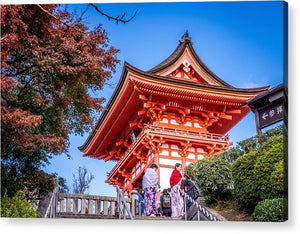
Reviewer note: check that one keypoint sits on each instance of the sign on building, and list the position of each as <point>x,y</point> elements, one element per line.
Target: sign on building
<point>269,107</point>
<point>271,114</point>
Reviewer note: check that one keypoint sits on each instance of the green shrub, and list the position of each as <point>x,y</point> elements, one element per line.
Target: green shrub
<point>271,210</point>
<point>214,177</point>
<point>245,190</point>
<point>17,206</point>
<point>191,171</point>
<point>261,174</point>
<point>269,175</point>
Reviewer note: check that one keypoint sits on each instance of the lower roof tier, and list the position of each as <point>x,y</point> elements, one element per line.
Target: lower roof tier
<point>152,138</point>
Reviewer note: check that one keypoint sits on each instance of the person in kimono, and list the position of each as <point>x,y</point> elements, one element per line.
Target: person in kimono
<point>190,189</point>
<point>176,196</point>
<point>150,187</point>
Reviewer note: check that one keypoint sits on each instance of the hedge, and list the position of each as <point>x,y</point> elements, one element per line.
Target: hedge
<point>271,210</point>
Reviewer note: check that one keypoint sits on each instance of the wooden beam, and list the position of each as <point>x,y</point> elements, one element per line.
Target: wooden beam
<point>133,124</point>
<point>102,156</point>
<point>143,97</point>
<point>224,109</point>
<point>142,112</point>
<point>187,110</point>
<point>176,72</point>
<point>204,115</point>
<point>109,157</point>
<point>234,111</point>
<point>121,142</point>
<point>223,116</point>
<point>147,105</point>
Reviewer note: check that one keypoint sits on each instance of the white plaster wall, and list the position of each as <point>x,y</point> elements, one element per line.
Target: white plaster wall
<point>170,162</point>
<point>165,174</point>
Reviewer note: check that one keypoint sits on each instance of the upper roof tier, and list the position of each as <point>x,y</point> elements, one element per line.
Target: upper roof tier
<point>182,76</point>
<point>185,63</point>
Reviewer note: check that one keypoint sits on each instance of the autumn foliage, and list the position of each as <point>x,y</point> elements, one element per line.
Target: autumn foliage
<point>50,64</point>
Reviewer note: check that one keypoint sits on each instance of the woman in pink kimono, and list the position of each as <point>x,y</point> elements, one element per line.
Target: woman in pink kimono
<point>176,197</point>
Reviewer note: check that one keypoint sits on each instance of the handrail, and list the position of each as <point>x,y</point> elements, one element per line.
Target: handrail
<point>122,212</point>
<point>199,207</point>
<point>52,205</point>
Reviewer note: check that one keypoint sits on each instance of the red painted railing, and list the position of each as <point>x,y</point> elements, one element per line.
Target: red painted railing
<point>185,133</point>
<point>170,132</point>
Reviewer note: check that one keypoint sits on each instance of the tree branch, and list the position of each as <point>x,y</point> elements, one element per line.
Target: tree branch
<point>2,38</point>
<point>117,19</point>
<point>47,12</point>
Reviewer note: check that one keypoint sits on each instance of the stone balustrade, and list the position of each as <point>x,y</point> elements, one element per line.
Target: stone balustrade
<point>81,204</point>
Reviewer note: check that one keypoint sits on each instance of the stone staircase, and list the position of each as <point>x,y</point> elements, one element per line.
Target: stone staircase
<point>162,218</point>
<point>81,206</point>
<point>206,214</point>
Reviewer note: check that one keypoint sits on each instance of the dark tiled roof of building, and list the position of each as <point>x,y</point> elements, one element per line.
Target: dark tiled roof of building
<point>184,42</point>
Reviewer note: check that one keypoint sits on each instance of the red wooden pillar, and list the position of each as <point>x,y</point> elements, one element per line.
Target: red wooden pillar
<point>156,161</point>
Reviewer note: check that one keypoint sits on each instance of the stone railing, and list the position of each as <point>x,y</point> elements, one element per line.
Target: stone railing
<point>72,205</point>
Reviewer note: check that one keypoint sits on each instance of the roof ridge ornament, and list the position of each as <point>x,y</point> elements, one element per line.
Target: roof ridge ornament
<point>185,37</point>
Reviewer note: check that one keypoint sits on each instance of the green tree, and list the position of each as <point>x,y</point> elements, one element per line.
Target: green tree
<point>253,143</point>
<point>51,64</point>
<point>17,206</point>
<point>245,187</point>
<point>248,144</point>
<point>214,177</point>
<point>262,173</point>
<point>191,171</point>
<point>62,185</point>
<point>269,175</point>
<point>231,154</point>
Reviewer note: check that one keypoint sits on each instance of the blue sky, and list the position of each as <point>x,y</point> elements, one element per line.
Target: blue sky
<point>242,42</point>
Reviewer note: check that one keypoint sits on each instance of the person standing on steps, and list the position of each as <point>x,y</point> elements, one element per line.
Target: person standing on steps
<point>176,196</point>
<point>165,202</point>
<point>140,194</point>
<point>190,189</point>
<point>150,187</point>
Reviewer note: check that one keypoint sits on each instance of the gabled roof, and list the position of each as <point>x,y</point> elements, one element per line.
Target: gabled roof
<point>184,43</point>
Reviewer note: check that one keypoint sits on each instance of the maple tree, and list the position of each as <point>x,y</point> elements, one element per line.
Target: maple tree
<point>50,63</point>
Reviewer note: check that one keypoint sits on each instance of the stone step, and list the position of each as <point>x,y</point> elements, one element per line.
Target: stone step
<point>157,218</point>
<point>66,215</point>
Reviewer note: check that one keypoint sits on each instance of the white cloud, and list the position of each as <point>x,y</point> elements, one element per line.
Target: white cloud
<point>254,82</point>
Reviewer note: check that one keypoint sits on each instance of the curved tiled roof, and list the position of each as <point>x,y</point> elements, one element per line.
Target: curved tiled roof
<point>153,74</point>
<point>200,86</point>
<point>184,42</point>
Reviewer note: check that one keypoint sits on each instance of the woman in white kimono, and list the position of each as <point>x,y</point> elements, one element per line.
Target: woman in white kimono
<point>150,187</point>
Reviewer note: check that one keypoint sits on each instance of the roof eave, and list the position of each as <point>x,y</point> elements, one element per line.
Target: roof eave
<point>107,108</point>
<point>195,84</point>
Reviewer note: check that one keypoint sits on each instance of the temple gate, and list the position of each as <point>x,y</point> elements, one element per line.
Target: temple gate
<point>178,111</point>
